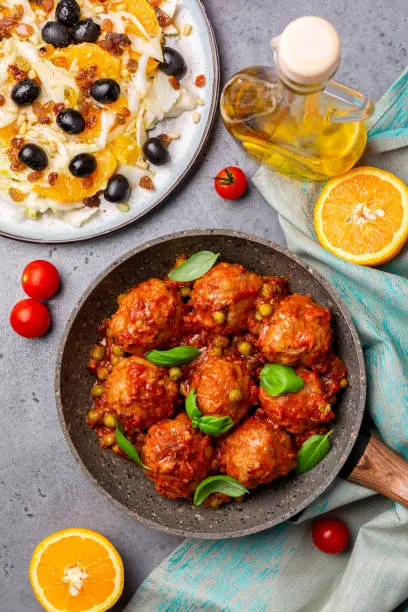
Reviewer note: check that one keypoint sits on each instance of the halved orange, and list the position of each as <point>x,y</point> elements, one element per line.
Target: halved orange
<point>69,189</point>
<point>362,216</point>
<point>76,570</point>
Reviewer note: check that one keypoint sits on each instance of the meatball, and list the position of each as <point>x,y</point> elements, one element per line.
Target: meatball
<point>224,388</point>
<point>149,316</point>
<point>256,453</point>
<point>140,392</point>
<point>223,299</point>
<point>302,410</point>
<point>179,457</point>
<point>298,333</point>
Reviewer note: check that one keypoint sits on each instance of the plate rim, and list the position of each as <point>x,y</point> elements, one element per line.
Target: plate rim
<point>327,481</point>
<point>199,151</point>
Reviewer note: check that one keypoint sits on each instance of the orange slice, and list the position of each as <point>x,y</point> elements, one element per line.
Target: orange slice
<point>145,14</point>
<point>68,188</point>
<point>76,570</point>
<point>7,133</point>
<point>86,55</point>
<point>125,149</point>
<point>362,216</point>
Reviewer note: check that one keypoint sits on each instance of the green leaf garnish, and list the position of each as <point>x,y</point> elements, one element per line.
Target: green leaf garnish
<point>193,411</point>
<point>214,426</point>
<point>127,447</point>
<point>277,379</point>
<point>180,355</point>
<point>312,452</point>
<point>218,484</point>
<point>195,267</point>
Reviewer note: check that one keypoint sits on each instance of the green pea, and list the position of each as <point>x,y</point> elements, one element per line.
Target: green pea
<point>97,390</point>
<point>235,395</point>
<point>116,350</point>
<point>175,373</point>
<point>102,373</point>
<point>98,352</point>
<point>219,317</point>
<point>266,310</point>
<point>109,420</point>
<point>93,417</point>
<point>244,348</point>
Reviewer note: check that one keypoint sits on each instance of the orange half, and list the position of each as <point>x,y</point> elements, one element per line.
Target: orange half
<point>145,14</point>
<point>76,570</point>
<point>362,216</point>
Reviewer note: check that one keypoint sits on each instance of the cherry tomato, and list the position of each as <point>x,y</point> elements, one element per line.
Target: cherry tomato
<point>30,318</point>
<point>40,279</point>
<point>331,535</point>
<point>230,183</point>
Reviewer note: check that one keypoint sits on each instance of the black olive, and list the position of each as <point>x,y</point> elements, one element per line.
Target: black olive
<point>155,151</point>
<point>117,189</point>
<point>105,90</point>
<point>56,34</point>
<point>173,63</point>
<point>82,165</point>
<point>86,30</point>
<point>25,92</point>
<point>33,156</point>
<point>71,121</point>
<point>67,12</point>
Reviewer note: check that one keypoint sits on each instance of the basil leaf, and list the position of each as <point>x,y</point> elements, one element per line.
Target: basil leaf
<point>127,447</point>
<point>277,379</point>
<point>180,355</point>
<point>193,411</point>
<point>218,484</point>
<point>214,426</point>
<point>312,452</point>
<point>195,267</point>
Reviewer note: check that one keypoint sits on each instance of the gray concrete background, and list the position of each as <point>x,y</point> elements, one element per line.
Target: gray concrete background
<point>42,488</point>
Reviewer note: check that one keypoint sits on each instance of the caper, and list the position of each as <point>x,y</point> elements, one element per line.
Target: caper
<point>93,417</point>
<point>109,420</point>
<point>175,373</point>
<point>235,395</point>
<point>266,310</point>
<point>119,352</point>
<point>258,316</point>
<point>219,317</point>
<point>108,440</point>
<point>97,390</point>
<point>102,373</point>
<point>185,291</point>
<point>115,360</point>
<point>98,352</point>
<point>222,341</point>
<point>244,348</point>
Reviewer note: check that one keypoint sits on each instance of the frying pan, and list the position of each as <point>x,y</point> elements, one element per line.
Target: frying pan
<point>370,463</point>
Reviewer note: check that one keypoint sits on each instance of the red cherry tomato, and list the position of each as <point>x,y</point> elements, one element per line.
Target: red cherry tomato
<point>230,183</point>
<point>40,279</point>
<point>331,535</point>
<point>30,318</point>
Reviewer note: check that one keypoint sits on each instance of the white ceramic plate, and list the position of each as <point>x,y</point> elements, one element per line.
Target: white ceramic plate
<point>200,52</point>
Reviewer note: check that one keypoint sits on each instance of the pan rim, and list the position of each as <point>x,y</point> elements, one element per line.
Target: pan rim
<point>328,480</point>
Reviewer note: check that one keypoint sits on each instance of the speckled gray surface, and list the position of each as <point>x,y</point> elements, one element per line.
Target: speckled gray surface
<point>42,488</point>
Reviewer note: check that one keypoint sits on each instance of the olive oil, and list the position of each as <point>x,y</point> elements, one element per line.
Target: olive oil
<point>301,129</point>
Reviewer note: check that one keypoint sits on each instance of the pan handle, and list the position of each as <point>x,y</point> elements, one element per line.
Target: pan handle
<point>373,465</point>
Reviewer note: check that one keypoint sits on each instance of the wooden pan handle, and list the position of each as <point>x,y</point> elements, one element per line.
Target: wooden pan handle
<point>381,469</point>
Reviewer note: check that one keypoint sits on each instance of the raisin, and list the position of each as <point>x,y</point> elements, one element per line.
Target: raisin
<point>200,81</point>
<point>52,178</point>
<point>146,183</point>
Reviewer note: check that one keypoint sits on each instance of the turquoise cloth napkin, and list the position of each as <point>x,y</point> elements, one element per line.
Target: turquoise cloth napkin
<point>280,570</point>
